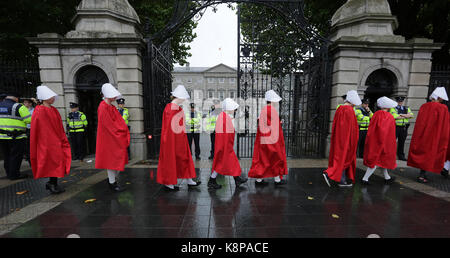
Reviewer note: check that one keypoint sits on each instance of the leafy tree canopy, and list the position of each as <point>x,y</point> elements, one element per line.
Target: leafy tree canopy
<point>27,18</point>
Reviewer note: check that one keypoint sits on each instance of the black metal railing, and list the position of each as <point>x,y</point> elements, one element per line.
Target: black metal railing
<point>19,75</point>
<point>157,85</point>
<point>440,77</point>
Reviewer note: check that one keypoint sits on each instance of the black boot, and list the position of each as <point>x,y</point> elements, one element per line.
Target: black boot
<point>239,181</point>
<point>54,188</point>
<point>212,183</point>
<point>116,187</point>
<point>444,173</point>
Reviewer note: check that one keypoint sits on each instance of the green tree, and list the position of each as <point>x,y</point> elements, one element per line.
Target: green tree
<point>417,18</point>
<point>27,18</point>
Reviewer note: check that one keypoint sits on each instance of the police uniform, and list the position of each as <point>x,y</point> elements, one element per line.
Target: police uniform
<point>193,124</point>
<point>211,128</point>
<point>363,117</point>
<point>76,126</point>
<point>402,126</point>
<point>14,118</point>
<point>126,116</point>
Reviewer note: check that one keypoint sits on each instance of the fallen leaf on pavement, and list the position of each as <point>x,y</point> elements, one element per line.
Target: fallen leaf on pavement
<point>90,200</point>
<point>335,216</point>
<point>128,183</point>
<point>310,198</point>
<point>20,193</point>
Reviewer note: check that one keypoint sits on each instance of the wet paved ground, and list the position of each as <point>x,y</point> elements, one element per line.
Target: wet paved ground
<point>305,207</point>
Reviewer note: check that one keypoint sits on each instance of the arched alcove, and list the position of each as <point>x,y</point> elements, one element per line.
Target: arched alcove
<point>379,83</point>
<point>88,83</point>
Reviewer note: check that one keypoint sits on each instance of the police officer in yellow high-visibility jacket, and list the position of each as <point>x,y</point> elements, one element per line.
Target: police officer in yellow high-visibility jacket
<point>14,118</point>
<point>125,115</point>
<point>76,126</point>
<point>402,115</point>
<point>363,116</point>
<point>193,128</point>
<point>211,128</point>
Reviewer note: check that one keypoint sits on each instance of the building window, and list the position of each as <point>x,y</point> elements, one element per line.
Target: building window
<point>221,80</point>
<point>221,94</point>
<point>210,94</point>
<point>232,94</point>
<point>232,80</point>
<point>178,80</point>
<point>211,80</point>
<point>189,80</point>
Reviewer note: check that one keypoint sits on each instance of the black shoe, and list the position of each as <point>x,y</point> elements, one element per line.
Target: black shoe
<point>345,184</point>
<point>116,187</point>
<point>262,183</point>
<point>282,182</point>
<point>197,184</point>
<point>444,173</point>
<point>174,189</point>
<point>239,181</point>
<point>389,181</point>
<point>364,182</point>
<point>212,183</point>
<point>211,158</point>
<point>327,179</point>
<point>19,177</point>
<point>54,189</point>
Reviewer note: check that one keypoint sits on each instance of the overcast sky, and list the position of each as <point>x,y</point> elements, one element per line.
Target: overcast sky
<point>216,40</point>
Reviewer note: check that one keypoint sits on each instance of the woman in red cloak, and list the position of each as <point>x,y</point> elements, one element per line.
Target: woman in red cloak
<point>225,160</point>
<point>50,154</point>
<point>269,155</point>
<point>344,141</point>
<point>113,138</point>
<point>428,149</point>
<point>175,158</point>
<point>380,146</point>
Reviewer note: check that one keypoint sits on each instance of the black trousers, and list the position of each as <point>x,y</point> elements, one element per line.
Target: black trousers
<point>361,142</point>
<point>26,154</point>
<point>196,138</point>
<point>212,136</point>
<point>77,142</point>
<point>13,151</point>
<point>401,133</point>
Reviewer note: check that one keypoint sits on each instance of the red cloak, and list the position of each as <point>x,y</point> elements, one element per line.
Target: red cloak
<point>269,155</point>
<point>448,146</point>
<point>175,158</point>
<point>113,139</point>
<point>428,149</point>
<point>50,154</point>
<point>344,141</point>
<point>380,148</point>
<point>225,160</point>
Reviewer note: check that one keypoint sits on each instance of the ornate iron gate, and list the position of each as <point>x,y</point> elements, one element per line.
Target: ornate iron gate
<point>21,75</point>
<point>440,77</point>
<point>157,85</point>
<point>305,89</point>
<point>305,86</point>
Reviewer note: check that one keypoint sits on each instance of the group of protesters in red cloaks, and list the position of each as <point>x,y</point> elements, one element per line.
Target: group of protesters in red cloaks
<point>175,160</point>
<point>50,154</point>
<point>428,150</point>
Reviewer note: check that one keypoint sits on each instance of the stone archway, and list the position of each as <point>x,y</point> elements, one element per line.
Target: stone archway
<point>379,83</point>
<point>88,82</point>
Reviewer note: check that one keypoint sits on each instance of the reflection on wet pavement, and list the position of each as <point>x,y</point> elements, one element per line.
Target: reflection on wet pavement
<point>306,207</point>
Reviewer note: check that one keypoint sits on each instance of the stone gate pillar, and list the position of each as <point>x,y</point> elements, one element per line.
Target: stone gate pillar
<point>364,44</point>
<point>106,36</point>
